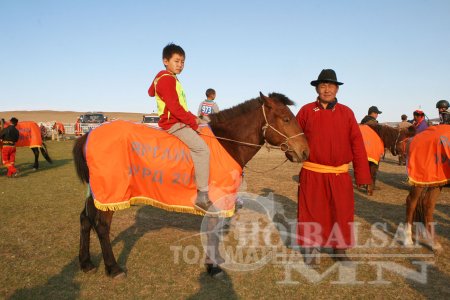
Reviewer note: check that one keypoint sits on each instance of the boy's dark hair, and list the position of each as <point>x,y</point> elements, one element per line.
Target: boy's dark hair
<point>14,121</point>
<point>210,92</point>
<point>404,117</point>
<point>172,49</point>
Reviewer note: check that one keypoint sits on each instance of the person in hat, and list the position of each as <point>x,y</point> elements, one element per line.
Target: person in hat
<point>10,136</point>
<point>372,115</point>
<point>444,114</point>
<point>419,121</point>
<point>325,194</point>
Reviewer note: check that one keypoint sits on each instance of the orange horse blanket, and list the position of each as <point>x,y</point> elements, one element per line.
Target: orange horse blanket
<point>132,163</point>
<point>373,144</point>
<point>429,157</point>
<point>29,134</point>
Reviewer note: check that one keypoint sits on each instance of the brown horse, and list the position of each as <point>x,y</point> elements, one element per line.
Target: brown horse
<point>241,130</point>
<point>391,138</point>
<point>421,200</point>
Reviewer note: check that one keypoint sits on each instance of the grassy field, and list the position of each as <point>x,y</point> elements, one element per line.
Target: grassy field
<point>39,236</point>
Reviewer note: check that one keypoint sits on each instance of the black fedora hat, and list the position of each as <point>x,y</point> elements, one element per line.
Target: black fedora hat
<point>327,75</point>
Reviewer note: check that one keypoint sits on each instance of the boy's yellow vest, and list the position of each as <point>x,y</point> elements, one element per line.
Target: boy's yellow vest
<point>181,96</point>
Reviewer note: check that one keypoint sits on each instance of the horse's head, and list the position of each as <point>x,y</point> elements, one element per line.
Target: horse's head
<point>281,127</point>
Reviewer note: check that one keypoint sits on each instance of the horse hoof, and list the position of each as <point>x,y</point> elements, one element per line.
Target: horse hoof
<point>408,242</point>
<point>88,268</point>
<point>121,275</point>
<point>433,245</point>
<point>437,247</point>
<point>116,273</point>
<point>214,271</point>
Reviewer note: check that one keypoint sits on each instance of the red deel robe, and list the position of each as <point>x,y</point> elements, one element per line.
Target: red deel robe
<point>325,200</point>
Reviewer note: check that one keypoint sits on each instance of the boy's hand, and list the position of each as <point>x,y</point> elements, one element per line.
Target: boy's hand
<point>203,120</point>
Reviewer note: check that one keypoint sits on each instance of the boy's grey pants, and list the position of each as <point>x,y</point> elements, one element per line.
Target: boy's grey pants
<point>199,153</point>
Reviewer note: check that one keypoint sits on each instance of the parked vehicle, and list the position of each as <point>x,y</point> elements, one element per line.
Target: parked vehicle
<point>89,121</point>
<point>152,119</point>
<point>93,117</point>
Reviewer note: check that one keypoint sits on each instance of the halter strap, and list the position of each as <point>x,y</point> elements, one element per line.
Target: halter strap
<point>285,143</point>
<point>268,145</point>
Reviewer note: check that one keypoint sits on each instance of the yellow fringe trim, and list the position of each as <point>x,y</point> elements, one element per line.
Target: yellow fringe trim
<point>373,160</point>
<point>155,203</point>
<point>324,168</point>
<point>428,184</point>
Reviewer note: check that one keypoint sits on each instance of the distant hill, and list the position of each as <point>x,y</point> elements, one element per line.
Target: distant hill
<point>63,116</point>
<point>71,116</point>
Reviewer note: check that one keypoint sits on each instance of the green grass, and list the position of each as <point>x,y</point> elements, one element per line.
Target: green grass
<point>39,236</point>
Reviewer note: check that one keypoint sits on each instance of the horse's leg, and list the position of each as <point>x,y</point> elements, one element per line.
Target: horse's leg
<point>102,227</point>
<point>373,173</point>
<point>432,196</point>
<point>213,257</point>
<point>36,158</point>
<point>87,218</point>
<point>411,203</point>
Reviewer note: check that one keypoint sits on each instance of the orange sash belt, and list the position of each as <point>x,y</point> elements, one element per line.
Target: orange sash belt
<point>324,168</point>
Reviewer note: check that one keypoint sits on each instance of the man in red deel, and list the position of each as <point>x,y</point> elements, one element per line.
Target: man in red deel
<point>325,194</point>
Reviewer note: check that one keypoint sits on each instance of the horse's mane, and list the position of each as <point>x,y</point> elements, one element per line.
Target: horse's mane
<point>246,107</point>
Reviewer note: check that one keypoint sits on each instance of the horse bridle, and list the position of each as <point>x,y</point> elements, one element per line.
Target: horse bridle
<point>284,146</point>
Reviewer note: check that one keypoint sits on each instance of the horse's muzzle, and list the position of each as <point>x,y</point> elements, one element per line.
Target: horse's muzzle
<point>293,156</point>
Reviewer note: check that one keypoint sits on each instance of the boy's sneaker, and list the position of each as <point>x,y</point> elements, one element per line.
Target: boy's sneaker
<point>203,203</point>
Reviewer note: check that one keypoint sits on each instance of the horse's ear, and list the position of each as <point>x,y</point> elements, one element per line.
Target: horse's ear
<point>262,98</point>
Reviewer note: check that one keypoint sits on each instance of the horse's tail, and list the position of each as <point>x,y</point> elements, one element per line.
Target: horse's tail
<point>44,152</point>
<point>80,162</point>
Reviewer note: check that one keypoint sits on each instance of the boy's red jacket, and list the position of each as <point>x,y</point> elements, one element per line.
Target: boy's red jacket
<point>166,89</point>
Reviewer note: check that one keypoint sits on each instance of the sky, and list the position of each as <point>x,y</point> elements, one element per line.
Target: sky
<point>102,55</point>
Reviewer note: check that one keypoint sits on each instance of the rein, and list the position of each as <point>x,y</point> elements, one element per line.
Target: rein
<point>284,146</point>
<point>268,145</point>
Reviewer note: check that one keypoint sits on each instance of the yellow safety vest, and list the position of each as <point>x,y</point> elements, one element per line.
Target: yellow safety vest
<point>180,92</point>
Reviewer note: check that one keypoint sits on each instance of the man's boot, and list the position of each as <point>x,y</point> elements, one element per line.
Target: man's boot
<point>202,202</point>
<point>311,257</point>
<point>341,256</point>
